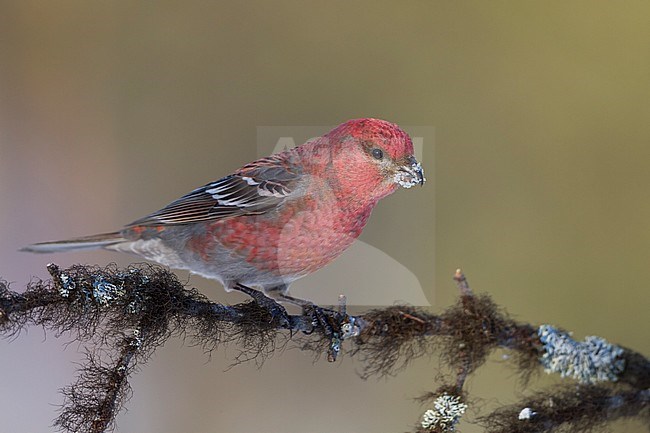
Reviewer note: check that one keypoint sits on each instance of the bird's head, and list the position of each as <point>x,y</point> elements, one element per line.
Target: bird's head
<point>373,157</point>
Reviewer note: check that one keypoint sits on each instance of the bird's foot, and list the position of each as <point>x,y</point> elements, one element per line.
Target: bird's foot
<point>278,313</point>
<point>335,325</point>
<point>329,322</point>
<point>319,317</point>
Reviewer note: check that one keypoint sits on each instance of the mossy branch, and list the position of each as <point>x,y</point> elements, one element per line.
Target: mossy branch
<point>123,315</point>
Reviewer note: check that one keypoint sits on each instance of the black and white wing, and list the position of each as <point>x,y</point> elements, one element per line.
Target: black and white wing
<point>254,189</point>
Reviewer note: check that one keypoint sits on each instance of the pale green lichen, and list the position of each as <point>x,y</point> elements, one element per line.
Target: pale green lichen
<point>446,412</point>
<point>591,361</point>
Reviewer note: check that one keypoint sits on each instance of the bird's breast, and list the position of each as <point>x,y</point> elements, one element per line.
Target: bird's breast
<point>295,240</point>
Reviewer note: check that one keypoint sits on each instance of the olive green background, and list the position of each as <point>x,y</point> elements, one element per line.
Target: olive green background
<point>538,176</point>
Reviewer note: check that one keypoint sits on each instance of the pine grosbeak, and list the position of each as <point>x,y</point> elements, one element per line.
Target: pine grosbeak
<point>276,219</point>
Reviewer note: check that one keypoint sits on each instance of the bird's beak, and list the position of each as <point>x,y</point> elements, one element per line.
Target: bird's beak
<point>409,174</point>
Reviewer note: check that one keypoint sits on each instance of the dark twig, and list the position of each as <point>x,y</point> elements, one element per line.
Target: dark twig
<point>92,403</point>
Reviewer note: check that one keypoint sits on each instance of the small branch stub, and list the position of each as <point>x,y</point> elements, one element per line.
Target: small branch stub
<point>462,284</point>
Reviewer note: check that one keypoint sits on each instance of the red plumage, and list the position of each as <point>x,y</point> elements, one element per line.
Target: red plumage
<point>278,218</point>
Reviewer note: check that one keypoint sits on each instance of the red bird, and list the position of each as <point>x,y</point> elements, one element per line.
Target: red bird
<point>276,219</point>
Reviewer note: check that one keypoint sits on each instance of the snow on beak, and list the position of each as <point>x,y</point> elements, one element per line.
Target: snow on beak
<point>410,174</point>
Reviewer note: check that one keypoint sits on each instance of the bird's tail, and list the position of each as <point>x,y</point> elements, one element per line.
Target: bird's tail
<point>93,242</point>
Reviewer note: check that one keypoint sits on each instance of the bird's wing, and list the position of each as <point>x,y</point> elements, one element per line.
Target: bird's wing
<point>254,189</point>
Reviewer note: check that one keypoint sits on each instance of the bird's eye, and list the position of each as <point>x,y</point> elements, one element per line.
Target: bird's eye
<point>377,153</point>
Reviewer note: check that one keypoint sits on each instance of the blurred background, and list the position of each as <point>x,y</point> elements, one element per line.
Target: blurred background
<point>538,176</point>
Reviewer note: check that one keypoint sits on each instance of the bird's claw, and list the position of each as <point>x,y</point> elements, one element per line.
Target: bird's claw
<point>279,315</point>
<point>322,318</point>
<point>329,322</point>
